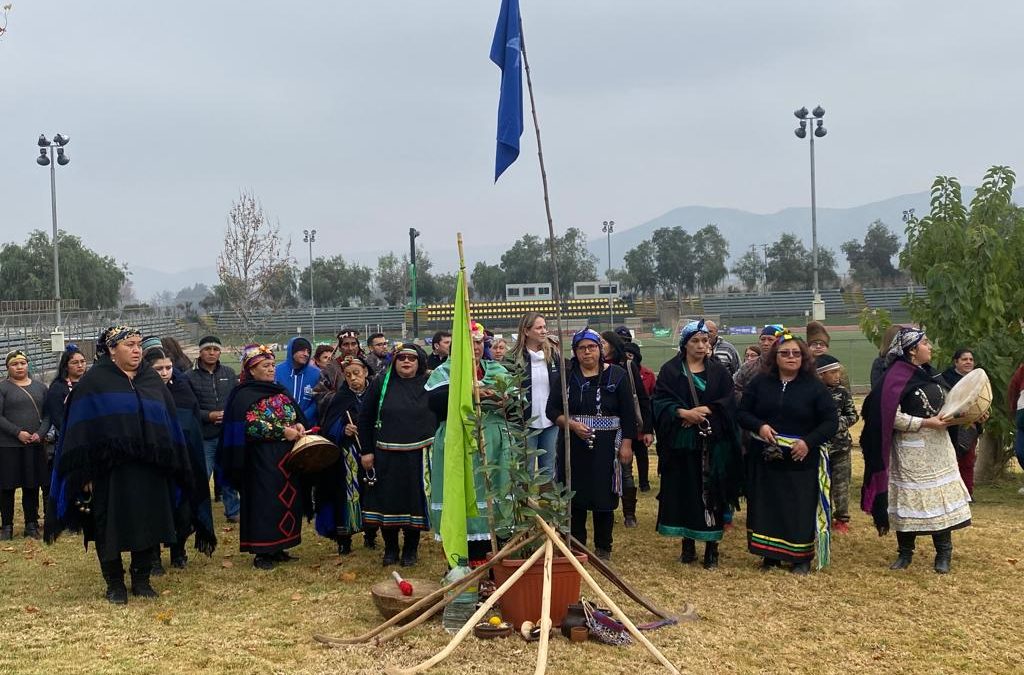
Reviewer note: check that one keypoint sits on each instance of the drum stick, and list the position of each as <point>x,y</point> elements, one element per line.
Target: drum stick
<point>358,444</point>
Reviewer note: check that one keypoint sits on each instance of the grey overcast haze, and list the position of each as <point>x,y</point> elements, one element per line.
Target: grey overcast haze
<point>361,119</point>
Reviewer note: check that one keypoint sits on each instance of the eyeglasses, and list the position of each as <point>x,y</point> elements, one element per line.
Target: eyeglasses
<point>790,353</point>
<point>406,357</point>
<point>586,348</point>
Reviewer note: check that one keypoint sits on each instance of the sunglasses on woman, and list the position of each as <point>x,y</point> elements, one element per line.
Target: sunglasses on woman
<point>406,357</point>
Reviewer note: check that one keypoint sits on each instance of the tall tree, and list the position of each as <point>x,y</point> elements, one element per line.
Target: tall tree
<point>871,261</point>
<point>710,250</point>
<point>750,269</point>
<point>488,281</point>
<point>527,261</point>
<point>969,261</point>
<point>26,271</point>
<point>336,283</point>
<point>674,258</point>
<point>255,267</point>
<point>641,268</point>
<point>393,279</point>
<point>791,265</point>
<point>575,262</point>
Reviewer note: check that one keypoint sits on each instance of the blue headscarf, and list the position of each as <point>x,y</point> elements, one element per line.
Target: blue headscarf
<point>773,329</point>
<point>585,334</point>
<point>689,330</point>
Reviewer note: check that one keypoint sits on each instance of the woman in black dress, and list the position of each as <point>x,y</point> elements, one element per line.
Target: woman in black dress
<point>121,460</point>
<point>396,430</point>
<point>261,424</point>
<point>337,490</point>
<point>789,413</point>
<point>23,426</point>
<point>699,454</point>
<point>603,423</point>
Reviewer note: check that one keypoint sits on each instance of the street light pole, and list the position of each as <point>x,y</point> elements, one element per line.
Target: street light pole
<point>309,236</point>
<point>609,226</point>
<point>818,124</point>
<point>56,148</point>
<point>413,233</point>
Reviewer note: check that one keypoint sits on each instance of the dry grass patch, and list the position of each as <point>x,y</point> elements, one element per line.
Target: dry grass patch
<point>222,616</point>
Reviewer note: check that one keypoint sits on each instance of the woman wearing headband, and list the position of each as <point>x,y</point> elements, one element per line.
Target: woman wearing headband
<point>496,443</point>
<point>602,424</point>
<point>337,492</point>
<point>121,462</point>
<point>396,430</point>
<point>23,425</point>
<point>261,424</point>
<point>911,478</point>
<point>789,414</point>
<point>699,453</point>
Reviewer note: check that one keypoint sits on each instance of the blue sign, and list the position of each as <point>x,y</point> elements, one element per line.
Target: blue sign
<point>743,330</point>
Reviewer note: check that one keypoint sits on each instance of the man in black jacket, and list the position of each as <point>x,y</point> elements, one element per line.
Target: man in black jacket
<point>212,382</point>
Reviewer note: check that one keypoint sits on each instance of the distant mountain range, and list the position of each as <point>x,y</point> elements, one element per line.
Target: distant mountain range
<point>741,229</point>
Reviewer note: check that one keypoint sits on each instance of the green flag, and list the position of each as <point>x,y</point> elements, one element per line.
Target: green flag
<point>458,496</point>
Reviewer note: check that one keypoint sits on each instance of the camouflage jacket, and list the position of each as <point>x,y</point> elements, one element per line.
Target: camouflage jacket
<point>847,418</point>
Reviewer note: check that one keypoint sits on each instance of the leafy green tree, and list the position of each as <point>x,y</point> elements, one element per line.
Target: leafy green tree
<point>392,278</point>
<point>575,262</point>
<point>26,271</point>
<point>336,283</point>
<point>527,261</point>
<point>871,262</point>
<point>791,265</point>
<point>750,269</point>
<point>710,250</point>
<point>443,288</point>
<point>673,259</point>
<point>641,268</point>
<point>969,260</point>
<point>488,281</point>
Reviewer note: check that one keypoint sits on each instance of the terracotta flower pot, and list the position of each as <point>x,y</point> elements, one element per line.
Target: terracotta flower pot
<point>522,602</point>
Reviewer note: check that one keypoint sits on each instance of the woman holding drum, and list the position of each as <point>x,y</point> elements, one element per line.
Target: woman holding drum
<point>261,424</point>
<point>911,476</point>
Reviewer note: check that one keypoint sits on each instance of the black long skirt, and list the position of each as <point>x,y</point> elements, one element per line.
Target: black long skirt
<point>782,503</point>
<point>133,509</point>
<point>681,511</point>
<point>593,471</point>
<point>271,511</point>
<point>399,497</point>
<point>23,467</point>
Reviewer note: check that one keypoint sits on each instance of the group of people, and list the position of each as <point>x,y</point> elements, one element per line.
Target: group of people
<point>139,435</point>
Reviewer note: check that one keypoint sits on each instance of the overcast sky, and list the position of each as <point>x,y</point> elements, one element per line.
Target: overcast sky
<point>364,118</point>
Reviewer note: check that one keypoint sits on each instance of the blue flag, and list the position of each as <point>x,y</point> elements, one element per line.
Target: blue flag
<point>505,52</point>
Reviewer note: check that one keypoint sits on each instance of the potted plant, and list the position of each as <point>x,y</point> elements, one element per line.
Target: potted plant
<point>530,495</point>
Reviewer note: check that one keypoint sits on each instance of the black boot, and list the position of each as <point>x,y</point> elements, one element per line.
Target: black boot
<point>32,531</point>
<point>370,538</point>
<point>390,536</point>
<point>140,583</point>
<point>711,555</point>
<point>629,507</point>
<point>689,553</point>
<point>768,564</point>
<point>113,574</point>
<point>410,548</point>
<point>178,557</point>
<point>6,532</point>
<point>801,568</point>
<point>263,562</point>
<point>344,544</point>
<point>157,570</point>
<point>943,551</point>
<point>905,544</point>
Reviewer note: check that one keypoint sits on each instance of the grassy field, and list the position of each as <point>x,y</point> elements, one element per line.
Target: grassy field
<point>222,616</point>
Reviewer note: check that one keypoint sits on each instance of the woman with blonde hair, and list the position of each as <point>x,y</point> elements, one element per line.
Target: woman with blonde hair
<point>538,357</point>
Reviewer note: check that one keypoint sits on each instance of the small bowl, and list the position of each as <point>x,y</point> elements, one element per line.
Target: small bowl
<point>486,631</point>
<point>579,634</point>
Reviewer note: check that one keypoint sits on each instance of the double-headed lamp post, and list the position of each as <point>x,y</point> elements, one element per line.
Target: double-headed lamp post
<point>54,148</point>
<point>817,129</point>
<point>609,227</point>
<point>308,237</point>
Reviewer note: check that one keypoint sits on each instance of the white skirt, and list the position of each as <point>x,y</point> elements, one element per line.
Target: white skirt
<point>926,493</point>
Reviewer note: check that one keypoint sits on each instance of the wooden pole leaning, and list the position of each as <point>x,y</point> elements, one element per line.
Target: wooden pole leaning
<point>619,614</point>
<point>435,600</point>
<point>545,611</point>
<point>467,628</point>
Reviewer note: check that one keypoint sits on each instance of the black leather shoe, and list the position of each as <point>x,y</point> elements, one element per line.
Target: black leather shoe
<point>179,562</point>
<point>140,585</point>
<point>6,532</point>
<point>158,568</point>
<point>768,564</point>
<point>711,555</point>
<point>903,561</point>
<point>689,553</point>
<point>345,546</point>
<point>117,593</point>
<point>32,531</point>
<point>942,561</point>
<point>603,554</point>
<point>262,562</point>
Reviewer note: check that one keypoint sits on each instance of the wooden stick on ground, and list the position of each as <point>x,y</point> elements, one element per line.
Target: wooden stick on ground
<point>473,620</point>
<point>545,611</point>
<point>619,614</point>
<point>437,597</point>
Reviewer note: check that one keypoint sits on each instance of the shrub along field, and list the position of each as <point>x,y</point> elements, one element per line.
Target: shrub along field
<point>222,616</point>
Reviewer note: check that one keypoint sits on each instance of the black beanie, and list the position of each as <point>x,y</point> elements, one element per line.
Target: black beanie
<point>301,343</point>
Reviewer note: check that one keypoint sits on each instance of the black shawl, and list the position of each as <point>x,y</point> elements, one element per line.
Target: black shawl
<point>405,414</point>
<point>879,414</point>
<point>231,450</point>
<point>111,420</point>
<point>724,468</point>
